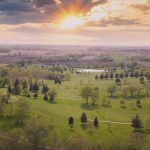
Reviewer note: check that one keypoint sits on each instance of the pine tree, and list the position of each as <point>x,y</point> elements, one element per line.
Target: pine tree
<point>96,77</point>
<point>45,89</point>
<point>16,82</point>
<point>136,123</point>
<point>83,118</point>
<point>35,95</point>
<point>118,81</point>
<point>96,123</point>
<point>71,121</point>
<point>24,85</point>
<point>9,90</point>
<point>17,90</point>
<point>141,80</point>
<point>35,87</point>
<point>31,87</point>
<point>45,97</point>
<point>101,76</point>
<point>138,103</point>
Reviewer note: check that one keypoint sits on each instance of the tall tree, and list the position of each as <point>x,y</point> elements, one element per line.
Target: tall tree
<point>86,93</point>
<point>96,122</point>
<point>71,121</point>
<point>45,89</point>
<point>111,89</point>
<point>136,123</point>
<point>83,118</point>
<point>16,82</point>
<point>52,95</point>
<point>31,87</point>
<point>17,90</point>
<point>35,87</point>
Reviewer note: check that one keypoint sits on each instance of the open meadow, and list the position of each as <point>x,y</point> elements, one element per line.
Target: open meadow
<point>114,111</point>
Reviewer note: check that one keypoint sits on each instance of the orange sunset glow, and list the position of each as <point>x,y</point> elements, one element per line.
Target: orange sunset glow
<point>92,21</point>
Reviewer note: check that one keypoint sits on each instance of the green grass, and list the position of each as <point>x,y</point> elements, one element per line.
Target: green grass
<point>69,103</point>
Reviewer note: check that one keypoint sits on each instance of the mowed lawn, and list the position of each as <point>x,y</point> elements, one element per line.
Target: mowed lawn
<point>70,103</point>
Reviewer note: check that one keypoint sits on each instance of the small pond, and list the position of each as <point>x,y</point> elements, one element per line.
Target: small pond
<point>92,70</point>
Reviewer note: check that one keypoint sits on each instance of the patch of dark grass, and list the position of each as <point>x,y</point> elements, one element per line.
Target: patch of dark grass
<point>90,107</point>
<point>84,126</point>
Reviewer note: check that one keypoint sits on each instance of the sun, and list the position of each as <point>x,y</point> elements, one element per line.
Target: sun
<point>71,22</point>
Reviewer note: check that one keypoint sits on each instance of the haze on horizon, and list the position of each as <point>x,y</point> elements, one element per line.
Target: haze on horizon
<point>75,22</point>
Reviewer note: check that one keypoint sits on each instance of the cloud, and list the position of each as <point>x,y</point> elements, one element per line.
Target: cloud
<point>145,8</point>
<point>118,21</point>
<point>8,6</point>
<point>41,3</point>
<point>30,11</point>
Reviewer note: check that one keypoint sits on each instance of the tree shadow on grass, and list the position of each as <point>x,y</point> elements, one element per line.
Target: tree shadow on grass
<point>106,106</point>
<point>7,122</point>
<point>89,107</point>
<point>123,107</point>
<point>6,118</point>
<point>50,102</point>
<point>84,126</point>
<point>139,131</point>
<point>71,130</point>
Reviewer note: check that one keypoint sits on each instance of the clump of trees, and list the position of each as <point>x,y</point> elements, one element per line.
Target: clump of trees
<point>21,113</point>
<point>111,89</point>
<point>36,132</point>
<point>89,93</point>
<point>50,96</point>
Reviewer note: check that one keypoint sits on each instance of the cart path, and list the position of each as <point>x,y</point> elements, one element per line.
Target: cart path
<point>113,122</point>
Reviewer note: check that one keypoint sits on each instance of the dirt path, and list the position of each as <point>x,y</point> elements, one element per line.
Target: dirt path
<point>74,99</point>
<point>113,122</point>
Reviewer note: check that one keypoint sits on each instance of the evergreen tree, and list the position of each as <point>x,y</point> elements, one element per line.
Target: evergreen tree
<point>35,87</point>
<point>136,123</point>
<point>131,75</point>
<point>71,121</point>
<point>16,82</point>
<point>83,118</point>
<point>35,95</point>
<point>96,123</point>
<point>101,76</point>
<point>111,75</point>
<point>96,77</point>
<point>24,85</point>
<point>17,90</point>
<point>148,77</point>
<point>141,80</point>
<point>57,81</point>
<point>31,87</point>
<point>45,89</point>
<point>136,74</point>
<point>118,81</point>
<point>121,75</point>
<point>45,97</point>
<point>9,90</point>
<point>106,76</point>
<point>126,74</point>
<point>116,75</point>
<point>138,103</point>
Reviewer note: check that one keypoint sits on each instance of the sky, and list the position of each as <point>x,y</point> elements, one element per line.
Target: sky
<point>75,22</point>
